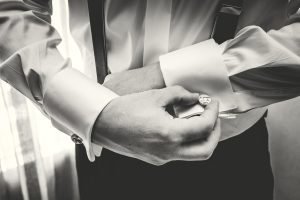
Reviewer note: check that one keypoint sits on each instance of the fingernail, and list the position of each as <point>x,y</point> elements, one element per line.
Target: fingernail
<point>204,100</point>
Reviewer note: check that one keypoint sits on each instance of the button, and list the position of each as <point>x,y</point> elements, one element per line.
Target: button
<point>76,139</point>
<point>204,100</point>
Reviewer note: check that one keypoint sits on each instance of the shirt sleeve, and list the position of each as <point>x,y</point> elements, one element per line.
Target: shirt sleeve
<point>254,69</point>
<point>31,63</point>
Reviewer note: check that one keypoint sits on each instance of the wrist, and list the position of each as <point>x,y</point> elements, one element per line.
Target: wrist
<point>155,74</point>
<point>103,124</point>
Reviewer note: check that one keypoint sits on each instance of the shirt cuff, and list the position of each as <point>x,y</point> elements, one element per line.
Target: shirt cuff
<point>200,68</point>
<point>75,101</point>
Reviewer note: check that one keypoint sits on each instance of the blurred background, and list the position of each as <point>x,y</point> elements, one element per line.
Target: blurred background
<point>37,161</point>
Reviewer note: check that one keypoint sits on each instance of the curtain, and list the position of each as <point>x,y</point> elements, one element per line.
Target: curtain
<point>37,162</point>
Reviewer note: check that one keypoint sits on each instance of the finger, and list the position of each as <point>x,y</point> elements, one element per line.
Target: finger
<point>201,149</point>
<point>197,127</point>
<point>177,95</point>
<point>211,112</point>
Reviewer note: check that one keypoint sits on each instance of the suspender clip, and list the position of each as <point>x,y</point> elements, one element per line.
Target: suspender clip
<point>230,9</point>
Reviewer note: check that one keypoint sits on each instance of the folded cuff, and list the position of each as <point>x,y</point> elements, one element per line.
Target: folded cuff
<point>75,101</point>
<point>200,68</point>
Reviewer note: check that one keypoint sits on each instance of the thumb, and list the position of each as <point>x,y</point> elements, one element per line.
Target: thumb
<point>211,112</point>
<point>178,95</point>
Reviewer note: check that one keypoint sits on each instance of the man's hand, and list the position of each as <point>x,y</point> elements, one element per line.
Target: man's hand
<point>138,126</point>
<point>136,80</point>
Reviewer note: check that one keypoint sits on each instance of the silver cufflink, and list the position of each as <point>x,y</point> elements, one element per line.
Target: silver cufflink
<point>76,139</point>
<point>204,100</point>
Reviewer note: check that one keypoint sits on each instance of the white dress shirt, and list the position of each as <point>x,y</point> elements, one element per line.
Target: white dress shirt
<point>258,67</point>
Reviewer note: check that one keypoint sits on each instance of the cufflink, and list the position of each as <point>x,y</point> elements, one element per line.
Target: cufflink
<point>76,139</point>
<point>204,100</point>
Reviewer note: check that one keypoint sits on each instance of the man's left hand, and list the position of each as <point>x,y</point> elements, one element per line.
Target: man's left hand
<point>136,80</point>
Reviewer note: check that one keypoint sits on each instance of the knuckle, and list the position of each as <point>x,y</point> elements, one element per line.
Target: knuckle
<point>166,156</point>
<point>165,133</point>
<point>158,162</point>
<point>207,155</point>
<point>209,152</point>
<point>163,158</point>
<point>170,138</point>
<point>152,160</point>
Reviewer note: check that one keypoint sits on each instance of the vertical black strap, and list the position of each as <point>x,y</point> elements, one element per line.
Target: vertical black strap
<point>97,22</point>
<point>226,21</point>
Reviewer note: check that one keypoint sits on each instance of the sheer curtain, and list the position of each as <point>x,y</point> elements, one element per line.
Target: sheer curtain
<point>37,162</point>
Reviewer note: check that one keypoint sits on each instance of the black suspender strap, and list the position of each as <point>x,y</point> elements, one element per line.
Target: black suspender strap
<point>97,23</point>
<point>226,21</point>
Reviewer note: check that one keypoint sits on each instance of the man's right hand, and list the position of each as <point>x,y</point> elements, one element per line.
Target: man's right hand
<point>138,125</point>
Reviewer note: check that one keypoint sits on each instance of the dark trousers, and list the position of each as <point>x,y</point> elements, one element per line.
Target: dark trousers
<point>238,170</point>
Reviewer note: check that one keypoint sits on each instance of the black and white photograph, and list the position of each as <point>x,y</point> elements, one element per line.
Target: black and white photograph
<point>149,99</point>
